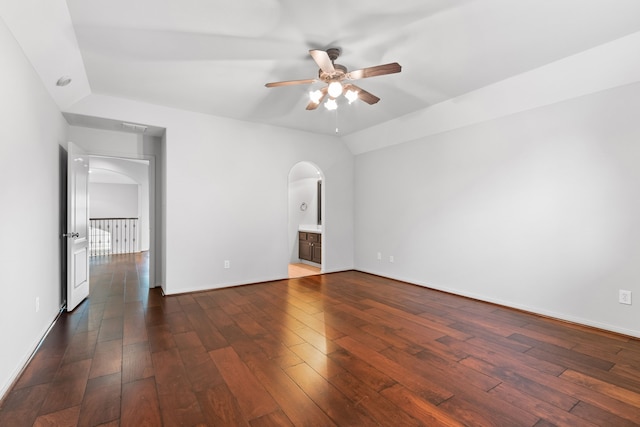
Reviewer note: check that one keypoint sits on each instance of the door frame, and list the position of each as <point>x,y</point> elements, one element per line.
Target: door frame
<point>321,212</point>
<point>63,195</point>
<point>154,248</point>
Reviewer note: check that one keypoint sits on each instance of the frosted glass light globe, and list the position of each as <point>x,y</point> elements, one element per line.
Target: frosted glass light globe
<point>315,96</point>
<point>351,95</point>
<point>335,89</point>
<point>331,104</point>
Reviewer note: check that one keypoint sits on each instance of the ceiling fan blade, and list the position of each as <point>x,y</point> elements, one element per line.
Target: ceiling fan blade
<point>290,83</point>
<point>322,59</point>
<point>378,70</point>
<point>363,94</point>
<point>313,105</point>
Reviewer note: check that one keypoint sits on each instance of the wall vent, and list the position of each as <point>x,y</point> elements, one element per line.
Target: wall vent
<point>134,128</point>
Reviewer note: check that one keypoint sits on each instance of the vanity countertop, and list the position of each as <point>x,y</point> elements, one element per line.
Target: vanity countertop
<point>310,228</point>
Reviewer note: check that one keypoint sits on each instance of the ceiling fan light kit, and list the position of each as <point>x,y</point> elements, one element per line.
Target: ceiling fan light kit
<point>335,89</point>
<point>334,75</point>
<point>351,95</point>
<point>315,96</point>
<point>331,104</point>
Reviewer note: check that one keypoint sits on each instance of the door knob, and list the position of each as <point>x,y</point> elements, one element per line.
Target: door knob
<point>72,235</point>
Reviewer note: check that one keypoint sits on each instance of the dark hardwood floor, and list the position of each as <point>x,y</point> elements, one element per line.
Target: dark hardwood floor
<point>345,349</point>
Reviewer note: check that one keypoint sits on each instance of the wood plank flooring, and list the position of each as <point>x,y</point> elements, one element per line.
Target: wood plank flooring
<point>302,270</point>
<point>343,349</point>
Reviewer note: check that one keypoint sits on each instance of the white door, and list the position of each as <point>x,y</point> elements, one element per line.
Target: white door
<point>77,227</point>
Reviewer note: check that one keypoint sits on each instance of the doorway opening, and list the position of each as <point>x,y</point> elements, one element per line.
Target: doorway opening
<point>121,209</point>
<point>119,190</point>
<point>121,218</point>
<point>306,219</point>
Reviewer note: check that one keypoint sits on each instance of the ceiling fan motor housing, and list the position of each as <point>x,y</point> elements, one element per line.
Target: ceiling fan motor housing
<point>340,71</point>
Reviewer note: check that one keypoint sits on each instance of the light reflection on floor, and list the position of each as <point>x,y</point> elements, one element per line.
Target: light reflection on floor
<point>302,270</point>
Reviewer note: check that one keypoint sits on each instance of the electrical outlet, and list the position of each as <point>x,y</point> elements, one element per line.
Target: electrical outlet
<point>37,304</point>
<point>624,297</point>
<point>391,258</point>
<point>379,256</point>
<point>227,263</point>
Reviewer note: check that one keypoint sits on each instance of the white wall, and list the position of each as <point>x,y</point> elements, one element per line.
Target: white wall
<point>113,200</point>
<point>31,130</point>
<point>537,210</point>
<point>227,185</point>
<point>106,142</point>
<point>304,191</point>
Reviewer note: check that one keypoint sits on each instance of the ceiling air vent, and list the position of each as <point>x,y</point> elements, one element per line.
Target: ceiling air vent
<point>134,128</point>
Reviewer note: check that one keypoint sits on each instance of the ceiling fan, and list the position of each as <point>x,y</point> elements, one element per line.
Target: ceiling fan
<point>337,79</point>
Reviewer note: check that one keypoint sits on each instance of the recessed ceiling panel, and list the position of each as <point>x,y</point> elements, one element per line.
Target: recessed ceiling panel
<point>215,56</point>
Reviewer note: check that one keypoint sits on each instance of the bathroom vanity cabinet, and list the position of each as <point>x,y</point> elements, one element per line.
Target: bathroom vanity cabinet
<point>310,246</point>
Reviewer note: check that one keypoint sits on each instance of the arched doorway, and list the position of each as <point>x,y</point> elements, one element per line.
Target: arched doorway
<point>306,214</point>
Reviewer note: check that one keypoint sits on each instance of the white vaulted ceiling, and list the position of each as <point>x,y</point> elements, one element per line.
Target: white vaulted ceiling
<point>214,56</point>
